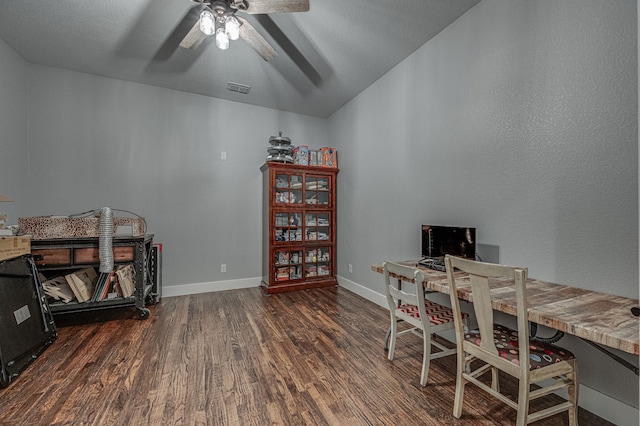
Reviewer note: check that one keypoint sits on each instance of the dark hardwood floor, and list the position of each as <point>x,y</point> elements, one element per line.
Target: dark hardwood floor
<point>240,357</point>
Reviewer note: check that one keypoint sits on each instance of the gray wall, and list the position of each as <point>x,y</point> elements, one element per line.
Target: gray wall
<point>520,119</point>
<point>97,142</point>
<point>13,131</point>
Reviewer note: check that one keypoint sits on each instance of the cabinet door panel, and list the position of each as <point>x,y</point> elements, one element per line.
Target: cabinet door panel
<point>288,189</point>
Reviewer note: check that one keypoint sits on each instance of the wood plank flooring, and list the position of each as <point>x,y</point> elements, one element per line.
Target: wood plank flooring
<point>240,357</point>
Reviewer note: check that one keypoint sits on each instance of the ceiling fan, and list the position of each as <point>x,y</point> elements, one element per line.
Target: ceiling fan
<point>218,18</point>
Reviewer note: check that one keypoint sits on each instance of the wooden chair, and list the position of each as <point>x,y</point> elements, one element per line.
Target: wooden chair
<point>501,348</point>
<point>425,317</point>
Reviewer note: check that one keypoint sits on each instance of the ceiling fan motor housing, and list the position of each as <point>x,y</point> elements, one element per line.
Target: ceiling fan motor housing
<point>238,4</point>
<point>224,6</point>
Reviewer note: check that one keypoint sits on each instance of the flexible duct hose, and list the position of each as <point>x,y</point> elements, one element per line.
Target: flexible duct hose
<point>106,240</point>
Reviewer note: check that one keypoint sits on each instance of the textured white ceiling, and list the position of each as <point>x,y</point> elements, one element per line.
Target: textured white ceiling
<point>349,43</point>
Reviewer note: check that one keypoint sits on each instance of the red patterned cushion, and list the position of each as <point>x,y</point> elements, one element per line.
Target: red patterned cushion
<point>437,313</point>
<point>506,341</point>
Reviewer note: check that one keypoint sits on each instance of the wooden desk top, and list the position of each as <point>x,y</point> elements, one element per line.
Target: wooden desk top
<point>601,318</point>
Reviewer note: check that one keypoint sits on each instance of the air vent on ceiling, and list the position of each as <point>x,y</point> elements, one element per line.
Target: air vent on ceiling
<point>237,87</point>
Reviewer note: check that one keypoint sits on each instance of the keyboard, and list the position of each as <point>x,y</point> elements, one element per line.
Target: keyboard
<point>435,264</point>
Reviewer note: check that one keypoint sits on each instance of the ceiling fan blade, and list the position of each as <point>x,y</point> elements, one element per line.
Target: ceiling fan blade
<point>276,6</point>
<point>194,37</point>
<point>292,50</point>
<point>178,34</point>
<point>249,34</point>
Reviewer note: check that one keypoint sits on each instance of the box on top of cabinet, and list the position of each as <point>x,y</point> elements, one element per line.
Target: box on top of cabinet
<point>315,157</point>
<point>329,157</point>
<point>301,155</point>
<point>11,247</point>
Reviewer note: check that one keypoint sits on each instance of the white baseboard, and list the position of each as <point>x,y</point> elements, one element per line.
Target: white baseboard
<point>608,408</point>
<point>186,289</point>
<point>377,298</point>
<point>598,403</point>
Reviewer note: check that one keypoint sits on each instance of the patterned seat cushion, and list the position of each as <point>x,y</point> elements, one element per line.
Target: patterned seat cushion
<point>437,313</point>
<point>506,341</point>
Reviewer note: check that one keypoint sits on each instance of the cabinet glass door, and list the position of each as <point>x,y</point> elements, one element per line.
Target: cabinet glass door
<point>317,226</point>
<point>288,265</point>
<point>317,190</point>
<point>317,262</point>
<point>288,189</point>
<point>288,226</point>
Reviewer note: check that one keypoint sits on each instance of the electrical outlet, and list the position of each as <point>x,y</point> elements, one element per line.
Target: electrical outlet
<point>223,155</point>
<point>351,268</point>
<point>223,267</point>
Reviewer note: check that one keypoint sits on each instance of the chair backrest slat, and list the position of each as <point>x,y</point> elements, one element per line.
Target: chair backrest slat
<point>479,278</point>
<point>415,298</point>
<point>484,314</point>
<point>404,271</point>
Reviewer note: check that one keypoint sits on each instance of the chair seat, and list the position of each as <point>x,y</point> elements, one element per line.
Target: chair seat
<point>437,313</point>
<point>506,341</point>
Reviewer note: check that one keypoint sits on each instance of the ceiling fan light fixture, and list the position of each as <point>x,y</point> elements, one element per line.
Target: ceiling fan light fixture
<point>232,27</point>
<point>207,22</point>
<point>222,41</point>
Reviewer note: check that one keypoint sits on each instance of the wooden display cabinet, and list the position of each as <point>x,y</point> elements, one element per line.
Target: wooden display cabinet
<point>299,227</point>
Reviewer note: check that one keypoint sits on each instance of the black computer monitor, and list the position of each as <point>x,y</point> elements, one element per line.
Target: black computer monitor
<point>438,241</point>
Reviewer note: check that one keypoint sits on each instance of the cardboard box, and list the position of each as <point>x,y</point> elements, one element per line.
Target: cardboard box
<point>301,155</point>
<point>315,157</point>
<point>11,247</point>
<point>329,157</point>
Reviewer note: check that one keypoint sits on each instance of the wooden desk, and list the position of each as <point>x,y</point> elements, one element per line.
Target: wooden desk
<point>597,317</point>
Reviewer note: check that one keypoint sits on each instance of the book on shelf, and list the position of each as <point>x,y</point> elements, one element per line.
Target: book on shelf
<point>58,288</point>
<point>126,280</point>
<point>83,283</point>
<point>108,285</point>
<point>99,285</point>
<point>102,286</point>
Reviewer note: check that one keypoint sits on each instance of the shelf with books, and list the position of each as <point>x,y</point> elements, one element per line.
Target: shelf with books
<point>69,271</point>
